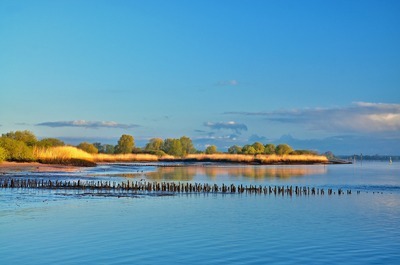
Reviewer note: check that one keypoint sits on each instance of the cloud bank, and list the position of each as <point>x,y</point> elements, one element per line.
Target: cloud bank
<point>88,124</point>
<point>361,117</point>
<point>230,125</point>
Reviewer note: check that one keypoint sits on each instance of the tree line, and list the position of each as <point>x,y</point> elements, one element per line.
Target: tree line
<point>18,146</point>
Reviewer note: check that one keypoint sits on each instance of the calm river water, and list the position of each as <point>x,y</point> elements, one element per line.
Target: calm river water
<point>71,227</point>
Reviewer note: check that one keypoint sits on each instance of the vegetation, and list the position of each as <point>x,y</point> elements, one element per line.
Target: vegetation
<point>178,147</point>
<point>283,149</point>
<point>125,144</point>
<point>3,154</point>
<point>212,149</point>
<point>23,146</point>
<point>154,144</point>
<point>16,150</point>
<point>88,148</point>
<point>64,155</point>
<point>26,137</point>
<point>50,142</point>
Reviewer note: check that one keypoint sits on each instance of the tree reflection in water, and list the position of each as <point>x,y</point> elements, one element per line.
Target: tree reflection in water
<point>189,173</point>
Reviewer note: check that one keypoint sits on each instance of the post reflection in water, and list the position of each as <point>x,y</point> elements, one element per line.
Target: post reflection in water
<point>191,173</point>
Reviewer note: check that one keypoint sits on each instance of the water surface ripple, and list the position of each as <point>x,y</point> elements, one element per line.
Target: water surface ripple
<point>66,227</point>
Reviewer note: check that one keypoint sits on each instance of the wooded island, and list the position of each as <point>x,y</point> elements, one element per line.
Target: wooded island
<point>23,146</point>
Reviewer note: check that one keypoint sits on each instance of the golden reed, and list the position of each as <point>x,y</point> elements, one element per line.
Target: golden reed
<point>71,155</point>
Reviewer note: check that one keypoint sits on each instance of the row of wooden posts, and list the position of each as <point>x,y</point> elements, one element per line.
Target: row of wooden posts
<point>171,187</point>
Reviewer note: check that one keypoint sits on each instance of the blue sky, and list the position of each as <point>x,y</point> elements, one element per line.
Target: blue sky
<point>321,75</point>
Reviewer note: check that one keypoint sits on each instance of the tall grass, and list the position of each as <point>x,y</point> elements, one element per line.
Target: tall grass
<point>263,159</point>
<point>65,155</point>
<point>73,156</point>
<point>126,158</point>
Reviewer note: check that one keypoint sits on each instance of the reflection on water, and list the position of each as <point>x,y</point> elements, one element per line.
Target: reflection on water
<point>214,172</point>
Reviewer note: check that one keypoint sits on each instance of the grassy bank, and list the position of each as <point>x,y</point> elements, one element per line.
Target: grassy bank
<point>63,155</point>
<point>68,155</point>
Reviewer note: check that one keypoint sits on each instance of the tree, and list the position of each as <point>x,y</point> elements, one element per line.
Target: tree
<point>235,149</point>
<point>258,148</point>
<point>248,150</point>
<point>172,147</point>
<point>269,149</point>
<point>50,142</point>
<point>125,144</point>
<point>109,149</point>
<point>304,152</point>
<point>154,144</point>
<point>99,147</point>
<point>87,147</point>
<point>3,154</point>
<point>16,150</point>
<point>24,136</point>
<point>212,149</point>
<point>187,146</point>
<point>283,149</point>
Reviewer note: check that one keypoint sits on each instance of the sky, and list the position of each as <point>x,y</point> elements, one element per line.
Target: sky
<point>320,75</point>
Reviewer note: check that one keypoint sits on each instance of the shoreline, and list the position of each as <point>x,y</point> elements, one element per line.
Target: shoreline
<point>35,167</point>
<point>7,166</point>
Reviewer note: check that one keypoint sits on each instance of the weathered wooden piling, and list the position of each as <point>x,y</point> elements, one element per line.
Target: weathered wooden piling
<point>167,187</point>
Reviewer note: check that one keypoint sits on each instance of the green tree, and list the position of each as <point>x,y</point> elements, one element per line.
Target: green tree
<point>16,150</point>
<point>172,147</point>
<point>3,154</point>
<point>258,147</point>
<point>99,147</point>
<point>187,146</point>
<point>269,149</point>
<point>248,150</point>
<point>25,136</point>
<point>154,144</point>
<point>87,147</point>
<point>212,149</point>
<point>125,144</point>
<point>109,149</point>
<point>283,149</point>
<point>304,152</point>
<point>235,149</point>
<point>50,142</point>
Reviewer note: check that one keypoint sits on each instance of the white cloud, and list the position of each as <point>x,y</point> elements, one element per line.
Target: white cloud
<point>359,117</point>
<point>88,124</point>
<point>230,125</point>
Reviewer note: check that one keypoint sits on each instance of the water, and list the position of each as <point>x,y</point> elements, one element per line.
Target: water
<point>68,227</point>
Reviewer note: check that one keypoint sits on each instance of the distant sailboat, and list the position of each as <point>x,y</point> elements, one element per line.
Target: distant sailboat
<point>390,160</point>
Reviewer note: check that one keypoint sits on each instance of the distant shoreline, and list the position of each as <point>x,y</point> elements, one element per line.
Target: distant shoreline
<point>46,167</point>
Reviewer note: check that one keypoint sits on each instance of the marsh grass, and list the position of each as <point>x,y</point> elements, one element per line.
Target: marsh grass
<point>64,155</point>
<point>259,159</point>
<point>68,155</point>
<point>126,158</point>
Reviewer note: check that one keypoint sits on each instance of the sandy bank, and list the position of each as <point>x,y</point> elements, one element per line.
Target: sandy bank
<point>35,167</point>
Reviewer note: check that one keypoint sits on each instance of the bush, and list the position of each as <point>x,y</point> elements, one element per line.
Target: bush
<point>212,149</point>
<point>50,142</point>
<point>87,147</point>
<point>3,154</point>
<point>283,149</point>
<point>24,136</point>
<point>16,150</point>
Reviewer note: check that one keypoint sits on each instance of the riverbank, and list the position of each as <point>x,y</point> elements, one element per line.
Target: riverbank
<point>35,167</point>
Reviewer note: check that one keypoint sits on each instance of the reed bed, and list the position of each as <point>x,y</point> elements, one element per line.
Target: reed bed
<point>221,158</point>
<point>65,155</point>
<point>268,159</point>
<point>126,158</point>
<point>69,155</point>
<point>263,159</point>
